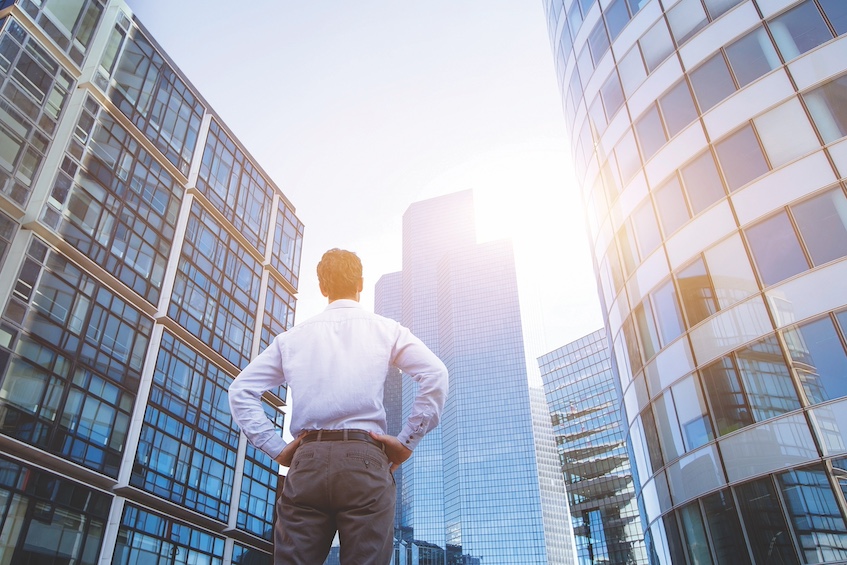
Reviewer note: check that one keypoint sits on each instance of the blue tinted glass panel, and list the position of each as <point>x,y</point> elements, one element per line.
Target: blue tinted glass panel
<point>819,360</point>
<point>775,248</point>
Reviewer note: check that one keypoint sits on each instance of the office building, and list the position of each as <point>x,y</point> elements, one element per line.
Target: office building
<point>583,398</point>
<point>471,492</point>
<point>708,138</point>
<point>145,257</point>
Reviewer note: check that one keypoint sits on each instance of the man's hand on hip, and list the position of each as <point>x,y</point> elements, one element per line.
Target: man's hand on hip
<point>397,452</point>
<point>286,456</point>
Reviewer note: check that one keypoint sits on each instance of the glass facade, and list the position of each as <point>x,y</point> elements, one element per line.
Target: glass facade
<point>582,398</point>
<point>472,490</point>
<point>714,188</point>
<point>145,257</point>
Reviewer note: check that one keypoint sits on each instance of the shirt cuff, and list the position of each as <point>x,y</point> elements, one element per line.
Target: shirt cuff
<point>410,437</point>
<point>274,446</point>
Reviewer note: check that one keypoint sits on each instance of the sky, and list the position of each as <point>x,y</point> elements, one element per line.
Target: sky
<point>358,109</point>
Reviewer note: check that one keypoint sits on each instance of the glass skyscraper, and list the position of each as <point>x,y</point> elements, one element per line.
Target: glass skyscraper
<point>584,403</point>
<point>470,493</point>
<point>145,257</point>
<point>708,137</point>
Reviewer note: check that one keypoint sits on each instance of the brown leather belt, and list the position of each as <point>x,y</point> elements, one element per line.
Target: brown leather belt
<point>340,435</point>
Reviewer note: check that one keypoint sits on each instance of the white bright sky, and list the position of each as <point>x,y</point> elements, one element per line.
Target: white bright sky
<point>357,109</point>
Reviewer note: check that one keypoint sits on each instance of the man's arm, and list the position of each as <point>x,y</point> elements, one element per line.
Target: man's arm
<point>245,400</point>
<point>424,367</point>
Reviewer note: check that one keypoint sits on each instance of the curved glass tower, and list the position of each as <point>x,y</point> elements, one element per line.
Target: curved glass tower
<point>709,141</point>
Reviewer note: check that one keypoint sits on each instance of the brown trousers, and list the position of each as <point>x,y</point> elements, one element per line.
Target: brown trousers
<point>342,486</point>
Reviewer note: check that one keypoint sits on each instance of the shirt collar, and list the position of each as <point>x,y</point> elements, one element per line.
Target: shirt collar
<point>343,303</point>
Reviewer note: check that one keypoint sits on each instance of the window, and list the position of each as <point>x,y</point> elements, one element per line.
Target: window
<point>656,45</point>
<point>767,381</point>
<point>632,71</point>
<point>697,293</point>
<point>646,228</point>
<point>677,108</point>
<point>617,16</point>
<point>764,522</point>
<point>711,82</point>
<point>692,413</point>
<point>598,41</point>
<point>666,308</point>
<point>651,133</point>
<point>775,249</point>
<point>826,105</point>
<point>695,534</point>
<point>646,331</point>
<point>819,359</point>
<point>752,56</point>
<point>668,427</point>
<point>717,8</point>
<point>574,18</point>
<point>822,221</point>
<point>836,13</point>
<point>612,95</point>
<point>686,19</point>
<point>627,156</point>
<point>786,133</point>
<point>729,404</point>
<point>702,183</point>
<point>798,30</point>
<point>727,534</point>
<point>741,157</point>
<point>670,203</point>
<point>813,509</point>
<point>730,271</point>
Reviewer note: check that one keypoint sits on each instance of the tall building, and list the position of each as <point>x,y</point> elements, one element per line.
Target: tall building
<point>709,140</point>
<point>471,492</point>
<point>583,398</point>
<point>145,257</point>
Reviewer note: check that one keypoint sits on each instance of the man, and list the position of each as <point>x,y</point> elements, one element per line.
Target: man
<point>341,462</point>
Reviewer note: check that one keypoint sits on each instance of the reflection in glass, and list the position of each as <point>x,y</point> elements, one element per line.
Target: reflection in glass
<point>730,271</point>
<point>692,413</point>
<point>695,289</point>
<point>836,13</point>
<point>656,45</point>
<point>667,313</point>
<point>798,30</point>
<point>813,509</point>
<point>695,534</point>
<point>752,56</point>
<point>769,536</point>
<point>822,221</point>
<point>723,387</point>
<point>767,381</point>
<point>819,359</point>
<point>828,110</point>
<point>686,19</point>
<point>725,529</point>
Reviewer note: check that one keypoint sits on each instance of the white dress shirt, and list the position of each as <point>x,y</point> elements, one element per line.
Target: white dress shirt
<point>335,365</point>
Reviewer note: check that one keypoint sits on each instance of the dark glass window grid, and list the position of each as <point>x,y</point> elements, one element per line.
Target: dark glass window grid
<point>33,91</point>
<point>288,244</point>
<point>148,92</point>
<point>279,312</point>
<point>50,515</point>
<point>74,40</point>
<point>187,450</point>
<point>258,492</point>
<point>235,187</point>
<point>78,351</point>
<point>797,233</point>
<point>145,537</point>
<point>115,203</point>
<point>243,555</point>
<point>215,295</point>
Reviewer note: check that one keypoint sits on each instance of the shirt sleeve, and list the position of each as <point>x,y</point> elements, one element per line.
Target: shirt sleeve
<point>424,367</point>
<point>245,399</point>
